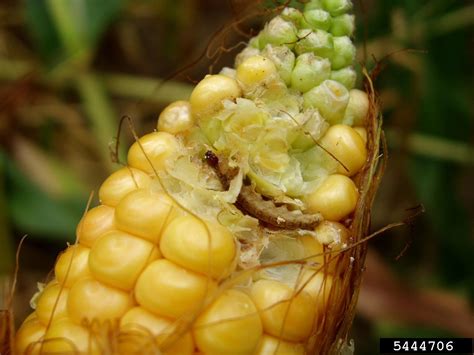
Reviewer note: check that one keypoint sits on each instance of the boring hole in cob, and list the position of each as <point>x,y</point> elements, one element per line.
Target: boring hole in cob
<point>169,263</point>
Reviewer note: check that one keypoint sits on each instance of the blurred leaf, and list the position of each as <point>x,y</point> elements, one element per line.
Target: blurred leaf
<point>391,329</point>
<point>62,28</point>
<point>435,184</point>
<point>36,213</point>
<point>386,296</point>
<point>7,249</point>
<point>444,112</point>
<point>46,170</point>
<point>41,28</point>
<point>271,4</point>
<point>97,16</point>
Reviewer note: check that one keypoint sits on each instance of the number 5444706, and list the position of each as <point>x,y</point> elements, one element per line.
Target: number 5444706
<point>414,345</point>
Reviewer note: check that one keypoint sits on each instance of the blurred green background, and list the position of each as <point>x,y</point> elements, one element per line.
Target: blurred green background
<point>70,69</point>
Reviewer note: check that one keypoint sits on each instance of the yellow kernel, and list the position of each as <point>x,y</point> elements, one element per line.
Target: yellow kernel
<point>357,108</point>
<point>52,303</point>
<point>151,151</point>
<point>347,146</point>
<point>170,290</point>
<point>118,258</point>
<point>96,222</point>
<point>120,183</point>
<point>255,71</point>
<point>32,316</point>
<point>273,346</point>
<point>176,118</point>
<point>230,325</point>
<point>313,250</point>
<point>209,93</point>
<point>318,285</point>
<point>66,337</point>
<point>142,323</point>
<point>362,132</point>
<point>285,313</point>
<point>335,198</point>
<point>28,337</point>
<point>72,265</point>
<point>91,300</point>
<point>204,248</point>
<point>335,236</point>
<point>145,213</point>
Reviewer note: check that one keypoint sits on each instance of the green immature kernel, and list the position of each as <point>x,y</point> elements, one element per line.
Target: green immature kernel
<point>309,72</point>
<point>283,58</point>
<point>318,42</point>
<point>313,4</point>
<point>316,19</point>
<point>344,52</point>
<point>278,32</point>
<point>312,127</point>
<point>346,76</point>
<point>342,25</point>
<point>337,7</point>
<point>254,42</point>
<point>357,109</point>
<point>292,14</point>
<point>330,98</point>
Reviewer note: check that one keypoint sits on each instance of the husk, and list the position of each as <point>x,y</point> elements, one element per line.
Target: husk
<point>333,334</point>
<point>6,331</point>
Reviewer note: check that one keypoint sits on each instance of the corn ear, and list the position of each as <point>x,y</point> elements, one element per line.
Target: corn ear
<point>237,226</point>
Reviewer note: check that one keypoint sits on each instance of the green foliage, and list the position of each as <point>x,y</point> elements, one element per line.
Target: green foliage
<point>271,4</point>
<point>394,330</point>
<point>444,111</point>
<point>59,28</point>
<point>36,213</point>
<point>43,32</point>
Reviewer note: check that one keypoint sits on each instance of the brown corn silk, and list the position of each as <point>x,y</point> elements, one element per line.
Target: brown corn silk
<point>330,332</point>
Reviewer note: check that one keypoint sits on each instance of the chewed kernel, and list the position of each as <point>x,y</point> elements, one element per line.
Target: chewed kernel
<point>208,95</point>
<point>176,118</point>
